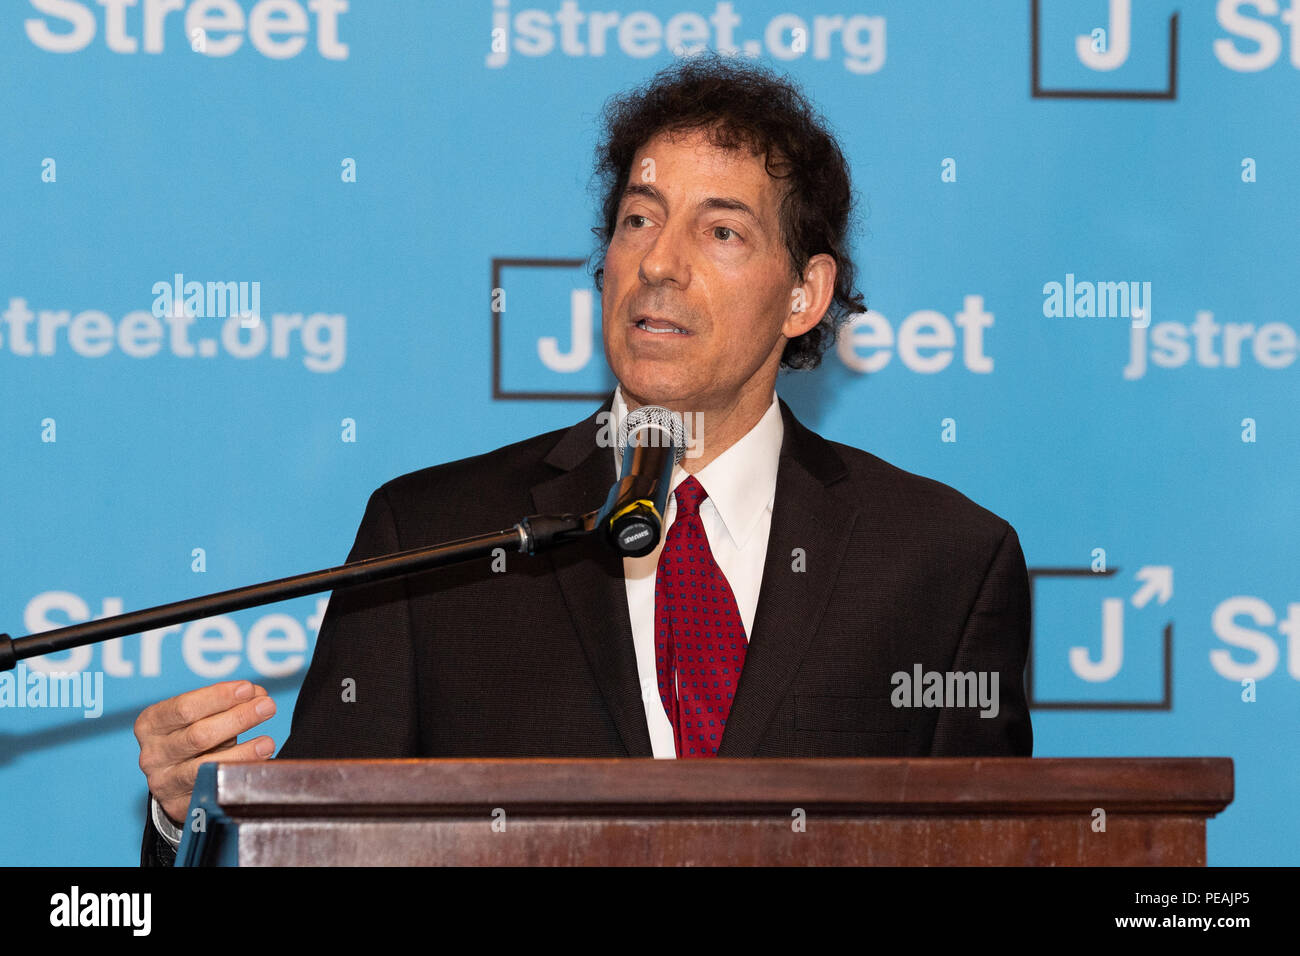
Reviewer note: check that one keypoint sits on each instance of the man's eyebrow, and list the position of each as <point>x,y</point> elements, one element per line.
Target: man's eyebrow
<point>735,205</point>
<point>713,202</point>
<point>645,190</point>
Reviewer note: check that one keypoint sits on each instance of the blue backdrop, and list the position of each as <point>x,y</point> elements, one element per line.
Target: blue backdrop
<point>1079,251</point>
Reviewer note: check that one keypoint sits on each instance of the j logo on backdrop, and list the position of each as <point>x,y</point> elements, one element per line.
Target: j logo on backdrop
<point>546,339</point>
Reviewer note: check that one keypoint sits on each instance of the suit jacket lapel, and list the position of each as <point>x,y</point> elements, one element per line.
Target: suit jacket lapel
<point>597,602</point>
<point>806,515</point>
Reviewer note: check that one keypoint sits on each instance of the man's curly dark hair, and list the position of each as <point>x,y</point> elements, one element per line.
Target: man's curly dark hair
<point>739,105</point>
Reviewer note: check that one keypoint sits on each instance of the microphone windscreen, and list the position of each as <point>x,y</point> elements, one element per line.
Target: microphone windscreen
<point>652,425</point>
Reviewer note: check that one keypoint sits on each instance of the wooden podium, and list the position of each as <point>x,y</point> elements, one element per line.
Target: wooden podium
<point>750,812</point>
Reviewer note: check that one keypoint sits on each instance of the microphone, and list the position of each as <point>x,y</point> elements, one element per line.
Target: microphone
<point>653,440</point>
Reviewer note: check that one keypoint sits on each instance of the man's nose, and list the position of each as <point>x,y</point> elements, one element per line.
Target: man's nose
<point>665,261</point>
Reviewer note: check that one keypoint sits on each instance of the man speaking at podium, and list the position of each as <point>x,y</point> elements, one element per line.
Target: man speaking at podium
<point>802,587</point>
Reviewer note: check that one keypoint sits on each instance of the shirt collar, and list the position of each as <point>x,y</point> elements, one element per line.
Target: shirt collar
<point>741,482</point>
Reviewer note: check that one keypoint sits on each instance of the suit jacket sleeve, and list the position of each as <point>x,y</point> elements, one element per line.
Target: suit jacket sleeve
<point>154,849</point>
<point>995,639</point>
<point>358,697</point>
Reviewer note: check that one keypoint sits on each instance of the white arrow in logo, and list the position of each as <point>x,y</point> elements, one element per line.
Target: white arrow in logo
<point>1159,583</point>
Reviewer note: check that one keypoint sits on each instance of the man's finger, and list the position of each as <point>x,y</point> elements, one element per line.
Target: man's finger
<point>257,749</point>
<point>215,731</point>
<point>172,714</point>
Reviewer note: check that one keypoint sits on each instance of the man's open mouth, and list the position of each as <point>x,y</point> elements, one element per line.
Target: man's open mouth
<point>659,326</point>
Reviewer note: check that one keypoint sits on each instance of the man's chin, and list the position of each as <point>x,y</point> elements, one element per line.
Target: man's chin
<point>675,395</point>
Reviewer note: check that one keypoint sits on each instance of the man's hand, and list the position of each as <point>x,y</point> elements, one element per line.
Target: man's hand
<point>178,734</point>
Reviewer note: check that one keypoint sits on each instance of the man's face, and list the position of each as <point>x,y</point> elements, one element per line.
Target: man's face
<point>697,287</point>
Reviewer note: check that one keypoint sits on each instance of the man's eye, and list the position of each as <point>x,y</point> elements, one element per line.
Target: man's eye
<point>727,229</point>
<point>628,219</point>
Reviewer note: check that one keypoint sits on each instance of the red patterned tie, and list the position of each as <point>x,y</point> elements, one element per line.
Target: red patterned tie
<point>699,636</point>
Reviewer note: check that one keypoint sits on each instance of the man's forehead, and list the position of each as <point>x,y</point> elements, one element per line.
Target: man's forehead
<point>691,161</point>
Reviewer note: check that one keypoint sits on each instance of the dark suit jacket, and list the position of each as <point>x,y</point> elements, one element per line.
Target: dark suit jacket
<point>870,570</point>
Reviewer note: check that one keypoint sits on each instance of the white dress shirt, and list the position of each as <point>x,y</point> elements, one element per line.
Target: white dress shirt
<point>737,518</point>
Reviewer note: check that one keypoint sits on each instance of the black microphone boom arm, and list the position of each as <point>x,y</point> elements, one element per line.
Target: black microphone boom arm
<point>530,535</point>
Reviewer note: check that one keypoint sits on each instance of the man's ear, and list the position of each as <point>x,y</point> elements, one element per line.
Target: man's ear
<point>811,298</point>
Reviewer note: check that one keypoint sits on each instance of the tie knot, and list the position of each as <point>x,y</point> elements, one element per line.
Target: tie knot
<point>689,495</point>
